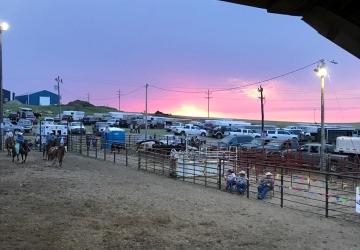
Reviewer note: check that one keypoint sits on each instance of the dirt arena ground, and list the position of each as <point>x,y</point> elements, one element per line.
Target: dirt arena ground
<point>91,204</point>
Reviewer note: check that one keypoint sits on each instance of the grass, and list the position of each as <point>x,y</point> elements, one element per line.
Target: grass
<point>53,110</point>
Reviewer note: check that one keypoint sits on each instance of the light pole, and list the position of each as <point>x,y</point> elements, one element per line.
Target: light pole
<point>3,27</point>
<point>146,110</point>
<point>322,73</point>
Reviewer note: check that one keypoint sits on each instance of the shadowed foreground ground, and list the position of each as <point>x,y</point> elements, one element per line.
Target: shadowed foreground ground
<point>90,204</point>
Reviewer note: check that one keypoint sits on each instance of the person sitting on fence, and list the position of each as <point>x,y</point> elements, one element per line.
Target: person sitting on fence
<point>266,185</point>
<point>241,182</point>
<point>230,180</point>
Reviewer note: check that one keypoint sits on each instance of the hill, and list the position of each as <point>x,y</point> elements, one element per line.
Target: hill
<point>77,105</point>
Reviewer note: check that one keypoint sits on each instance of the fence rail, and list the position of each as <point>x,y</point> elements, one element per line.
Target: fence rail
<point>330,194</point>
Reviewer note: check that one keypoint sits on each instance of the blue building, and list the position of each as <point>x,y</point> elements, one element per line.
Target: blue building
<point>42,98</point>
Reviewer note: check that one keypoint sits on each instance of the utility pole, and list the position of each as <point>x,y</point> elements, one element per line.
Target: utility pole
<point>146,110</point>
<point>208,102</point>
<point>59,80</point>
<point>260,89</point>
<point>119,95</point>
<point>88,97</point>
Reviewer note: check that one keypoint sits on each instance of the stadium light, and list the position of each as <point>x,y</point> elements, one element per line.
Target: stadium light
<point>3,27</point>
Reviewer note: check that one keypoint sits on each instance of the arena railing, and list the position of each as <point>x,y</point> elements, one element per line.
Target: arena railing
<point>297,186</point>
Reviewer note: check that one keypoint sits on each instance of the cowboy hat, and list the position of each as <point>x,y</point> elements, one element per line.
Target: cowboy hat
<point>242,172</point>
<point>268,173</point>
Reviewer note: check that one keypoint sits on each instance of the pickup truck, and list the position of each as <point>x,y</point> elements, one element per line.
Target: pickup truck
<point>190,130</point>
<point>77,128</point>
<point>26,124</point>
<point>280,134</point>
<point>243,131</point>
<point>8,126</point>
<point>172,128</point>
<point>310,154</point>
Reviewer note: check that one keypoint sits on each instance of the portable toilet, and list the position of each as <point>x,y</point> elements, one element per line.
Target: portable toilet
<point>113,136</point>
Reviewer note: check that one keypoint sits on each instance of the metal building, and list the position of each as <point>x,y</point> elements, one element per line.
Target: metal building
<point>42,98</point>
<point>6,95</point>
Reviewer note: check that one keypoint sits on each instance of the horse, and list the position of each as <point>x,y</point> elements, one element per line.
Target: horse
<point>20,149</point>
<point>146,145</point>
<point>9,144</point>
<point>56,152</point>
<point>47,147</point>
<point>24,150</point>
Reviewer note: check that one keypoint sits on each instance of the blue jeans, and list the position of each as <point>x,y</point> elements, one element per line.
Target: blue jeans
<point>229,185</point>
<point>241,187</point>
<point>263,190</point>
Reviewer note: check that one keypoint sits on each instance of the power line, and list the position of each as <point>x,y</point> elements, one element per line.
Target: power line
<point>257,83</point>
<point>176,91</point>
<point>269,79</point>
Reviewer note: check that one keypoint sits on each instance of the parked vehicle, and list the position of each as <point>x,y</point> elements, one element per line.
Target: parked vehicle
<point>256,143</point>
<point>348,145</point>
<point>48,120</point>
<point>279,146</point>
<point>310,153</point>
<point>112,122</point>
<point>26,124</point>
<point>332,133</point>
<point>8,126</point>
<point>76,115</point>
<point>280,134</point>
<point>222,131</point>
<point>46,129</point>
<point>307,129</point>
<point>173,127</point>
<point>99,127</point>
<point>244,131</point>
<point>77,128</point>
<point>27,113</point>
<point>234,141</point>
<point>190,130</point>
<point>123,124</point>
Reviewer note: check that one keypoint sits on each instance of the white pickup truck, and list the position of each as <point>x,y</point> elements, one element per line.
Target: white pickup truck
<point>190,130</point>
<point>173,127</point>
<point>243,131</point>
<point>281,135</point>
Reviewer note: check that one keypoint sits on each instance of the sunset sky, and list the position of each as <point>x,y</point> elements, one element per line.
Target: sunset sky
<point>181,48</point>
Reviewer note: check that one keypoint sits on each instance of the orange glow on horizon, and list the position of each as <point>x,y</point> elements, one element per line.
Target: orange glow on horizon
<point>194,111</point>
